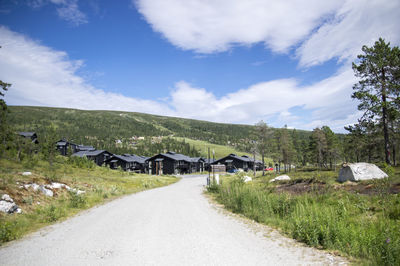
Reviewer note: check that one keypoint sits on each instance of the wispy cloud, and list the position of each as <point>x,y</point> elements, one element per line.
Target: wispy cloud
<point>67,10</point>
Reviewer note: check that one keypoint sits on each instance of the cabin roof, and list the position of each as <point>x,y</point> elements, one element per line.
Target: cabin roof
<point>85,148</point>
<point>129,158</point>
<point>27,134</point>
<point>174,156</point>
<point>89,153</point>
<point>232,156</point>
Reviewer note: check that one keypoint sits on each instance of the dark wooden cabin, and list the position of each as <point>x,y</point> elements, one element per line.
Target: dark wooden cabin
<point>232,161</point>
<point>65,147</point>
<point>198,164</point>
<point>259,164</point>
<point>98,156</point>
<point>128,162</point>
<point>170,163</point>
<point>29,135</point>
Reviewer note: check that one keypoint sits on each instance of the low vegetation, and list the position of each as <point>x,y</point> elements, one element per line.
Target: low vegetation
<point>99,183</point>
<point>359,220</point>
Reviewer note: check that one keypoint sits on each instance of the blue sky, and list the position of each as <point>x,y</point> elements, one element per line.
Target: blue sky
<point>224,61</point>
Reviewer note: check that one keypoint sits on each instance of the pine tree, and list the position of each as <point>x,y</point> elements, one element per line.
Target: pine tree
<point>378,90</point>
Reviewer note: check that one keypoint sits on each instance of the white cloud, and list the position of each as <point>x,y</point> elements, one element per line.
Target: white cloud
<point>356,23</point>
<point>42,76</point>
<point>323,29</point>
<point>214,26</point>
<point>66,9</point>
<point>327,102</point>
<point>45,77</point>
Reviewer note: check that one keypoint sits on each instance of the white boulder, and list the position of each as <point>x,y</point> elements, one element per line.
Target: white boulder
<point>7,205</point>
<point>279,178</point>
<point>26,173</point>
<point>7,197</point>
<point>359,172</point>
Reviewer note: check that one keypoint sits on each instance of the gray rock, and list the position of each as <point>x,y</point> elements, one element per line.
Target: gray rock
<point>56,185</point>
<point>7,197</point>
<point>41,188</point>
<point>26,173</point>
<point>281,177</point>
<point>7,205</point>
<point>359,172</point>
<point>46,191</point>
<point>77,191</point>
<point>34,186</point>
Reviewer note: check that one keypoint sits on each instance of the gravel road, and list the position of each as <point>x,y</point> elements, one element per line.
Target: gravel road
<point>174,225</point>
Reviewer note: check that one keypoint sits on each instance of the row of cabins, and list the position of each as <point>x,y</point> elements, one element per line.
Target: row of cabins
<point>163,163</point>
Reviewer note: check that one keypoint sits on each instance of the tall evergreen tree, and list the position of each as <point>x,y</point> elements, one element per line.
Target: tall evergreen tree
<point>378,90</point>
<point>263,138</point>
<point>332,143</point>
<point>318,147</point>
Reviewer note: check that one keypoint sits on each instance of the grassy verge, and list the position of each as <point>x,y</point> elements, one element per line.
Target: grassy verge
<point>99,183</point>
<point>316,210</point>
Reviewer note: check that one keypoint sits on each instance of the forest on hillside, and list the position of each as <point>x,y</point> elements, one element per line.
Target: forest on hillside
<point>144,134</point>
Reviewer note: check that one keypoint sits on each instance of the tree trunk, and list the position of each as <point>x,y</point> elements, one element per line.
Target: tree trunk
<point>262,155</point>
<point>394,154</point>
<point>384,120</point>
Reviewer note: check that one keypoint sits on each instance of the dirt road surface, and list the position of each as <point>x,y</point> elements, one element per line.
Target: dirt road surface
<point>174,225</point>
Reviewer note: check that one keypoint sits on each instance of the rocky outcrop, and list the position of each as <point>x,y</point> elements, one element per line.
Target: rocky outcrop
<point>48,189</point>
<point>359,172</point>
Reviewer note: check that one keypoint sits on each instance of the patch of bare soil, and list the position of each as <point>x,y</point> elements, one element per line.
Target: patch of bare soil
<point>299,187</point>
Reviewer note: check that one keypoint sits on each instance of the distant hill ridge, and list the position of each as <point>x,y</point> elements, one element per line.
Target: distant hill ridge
<point>109,129</point>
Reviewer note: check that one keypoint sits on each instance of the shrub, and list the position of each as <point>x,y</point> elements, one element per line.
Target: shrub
<point>8,231</point>
<point>77,201</point>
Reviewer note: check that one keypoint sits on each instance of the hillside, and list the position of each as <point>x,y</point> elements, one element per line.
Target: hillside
<point>129,132</point>
<point>139,133</point>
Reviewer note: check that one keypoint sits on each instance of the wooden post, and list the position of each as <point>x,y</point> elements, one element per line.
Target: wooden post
<point>209,167</point>
<point>254,163</point>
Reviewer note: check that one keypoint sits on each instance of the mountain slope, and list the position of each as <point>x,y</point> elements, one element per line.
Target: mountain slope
<point>115,130</point>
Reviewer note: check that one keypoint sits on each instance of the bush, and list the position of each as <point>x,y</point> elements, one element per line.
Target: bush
<point>81,162</point>
<point>8,231</point>
<point>52,213</point>
<point>77,201</point>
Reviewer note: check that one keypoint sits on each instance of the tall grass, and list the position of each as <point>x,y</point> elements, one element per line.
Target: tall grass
<point>364,227</point>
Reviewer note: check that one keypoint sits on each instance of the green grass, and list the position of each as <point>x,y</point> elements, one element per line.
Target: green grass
<point>101,184</point>
<point>364,227</point>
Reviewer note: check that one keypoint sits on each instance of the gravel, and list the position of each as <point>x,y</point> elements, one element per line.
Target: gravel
<point>173,225</point>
